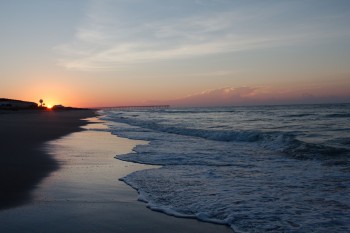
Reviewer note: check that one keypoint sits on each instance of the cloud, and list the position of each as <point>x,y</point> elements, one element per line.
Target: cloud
<point>225,96</point>
<point>231,96</point>
<point>122,33</point>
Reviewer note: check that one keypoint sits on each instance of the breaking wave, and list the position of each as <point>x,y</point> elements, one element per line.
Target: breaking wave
<point>284,142</point>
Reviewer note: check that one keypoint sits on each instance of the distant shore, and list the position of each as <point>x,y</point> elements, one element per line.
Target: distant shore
<point>23,163</point>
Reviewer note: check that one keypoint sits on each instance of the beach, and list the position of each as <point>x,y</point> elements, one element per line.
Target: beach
<point>72,178</point>
<point>22,162</point>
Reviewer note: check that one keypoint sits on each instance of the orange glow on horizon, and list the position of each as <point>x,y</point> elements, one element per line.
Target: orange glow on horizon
<point>55,93</point>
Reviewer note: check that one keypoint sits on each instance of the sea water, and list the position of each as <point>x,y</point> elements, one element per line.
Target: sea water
<point>256,169</point>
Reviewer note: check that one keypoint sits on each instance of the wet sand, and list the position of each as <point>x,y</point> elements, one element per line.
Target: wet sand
<point>22,163</point>
<point>85,195</point>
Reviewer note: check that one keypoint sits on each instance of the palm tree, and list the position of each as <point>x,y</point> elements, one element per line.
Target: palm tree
<point>41,101</point>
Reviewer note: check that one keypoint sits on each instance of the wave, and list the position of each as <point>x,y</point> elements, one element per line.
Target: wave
<point>144,197</point>
<point>217,135</point>
<point>340,115</point>
<point>300,115</point>
<point>303,150</point>
<point>247,200</point>
<point>284,142</point>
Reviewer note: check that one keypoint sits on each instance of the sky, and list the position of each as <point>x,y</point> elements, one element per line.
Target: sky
<point>184,53</point>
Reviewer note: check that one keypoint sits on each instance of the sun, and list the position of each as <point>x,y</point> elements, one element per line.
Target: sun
<point>49,106</point>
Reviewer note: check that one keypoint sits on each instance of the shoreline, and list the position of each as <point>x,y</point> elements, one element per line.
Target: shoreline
<point>86,195</point>
<point>23,164</point>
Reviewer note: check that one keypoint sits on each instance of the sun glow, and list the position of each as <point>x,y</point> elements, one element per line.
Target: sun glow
<point>49,106</point>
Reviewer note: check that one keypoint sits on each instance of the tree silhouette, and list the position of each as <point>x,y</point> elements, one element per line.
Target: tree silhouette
<point>41,101</point>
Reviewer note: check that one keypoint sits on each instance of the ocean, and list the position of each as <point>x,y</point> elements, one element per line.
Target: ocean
<point>256,168</point>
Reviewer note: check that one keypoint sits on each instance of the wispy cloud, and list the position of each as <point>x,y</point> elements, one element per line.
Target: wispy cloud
<point>117,33</point>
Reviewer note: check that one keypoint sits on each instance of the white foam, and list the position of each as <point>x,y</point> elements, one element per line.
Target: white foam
<point>249,185</point>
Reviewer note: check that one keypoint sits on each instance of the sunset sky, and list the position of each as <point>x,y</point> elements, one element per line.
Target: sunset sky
<point>183,52</point>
